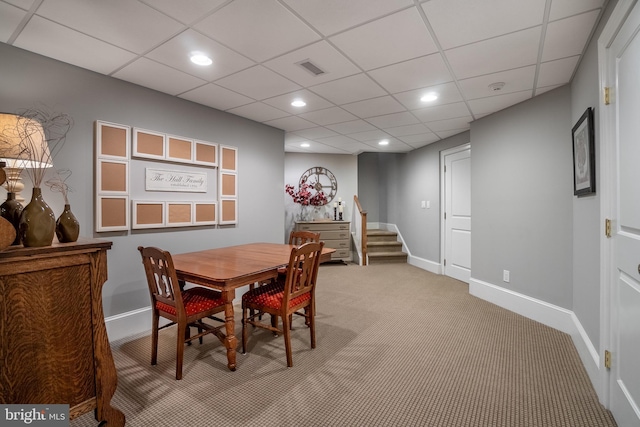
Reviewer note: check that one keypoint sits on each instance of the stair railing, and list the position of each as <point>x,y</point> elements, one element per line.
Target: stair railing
<point>360,230</point>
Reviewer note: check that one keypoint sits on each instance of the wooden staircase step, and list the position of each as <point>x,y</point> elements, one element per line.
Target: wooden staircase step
<point>373,247</point>
<point>387,257</point>
<point>381,236</point>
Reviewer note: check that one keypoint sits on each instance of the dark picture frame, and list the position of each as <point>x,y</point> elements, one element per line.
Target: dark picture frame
<point>584,155</point>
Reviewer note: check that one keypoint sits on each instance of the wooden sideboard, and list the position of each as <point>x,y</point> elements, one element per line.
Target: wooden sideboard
<point>53,341</point>
<point>335,234</point>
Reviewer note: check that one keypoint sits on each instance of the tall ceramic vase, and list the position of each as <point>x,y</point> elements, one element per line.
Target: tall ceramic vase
<point>37,222</point>
<point>11,210</point>
<point>67,226</point>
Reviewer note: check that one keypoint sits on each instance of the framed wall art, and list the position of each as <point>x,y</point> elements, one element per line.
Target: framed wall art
<point>584,155</point>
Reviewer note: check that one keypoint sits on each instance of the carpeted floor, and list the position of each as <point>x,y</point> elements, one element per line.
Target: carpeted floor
<point>396,346</point>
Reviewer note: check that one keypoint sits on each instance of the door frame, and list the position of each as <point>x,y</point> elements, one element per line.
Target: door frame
<point>443,205</point>
<point>608,182</point>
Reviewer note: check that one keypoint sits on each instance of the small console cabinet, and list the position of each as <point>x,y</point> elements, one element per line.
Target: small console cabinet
<point>335,234</point>
<point>53,342</point>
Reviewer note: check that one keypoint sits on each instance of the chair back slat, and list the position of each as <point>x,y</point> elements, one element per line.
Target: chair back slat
<point>301,237</point>
<point>163,282</point>
<point>302,271</point>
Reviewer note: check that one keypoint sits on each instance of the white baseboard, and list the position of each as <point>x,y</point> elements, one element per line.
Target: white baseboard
<point>425,264</point>
<point>127,325</point>
<point>548,314</point>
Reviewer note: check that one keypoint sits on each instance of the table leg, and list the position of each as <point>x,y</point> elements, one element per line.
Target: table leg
<point>230,342</point>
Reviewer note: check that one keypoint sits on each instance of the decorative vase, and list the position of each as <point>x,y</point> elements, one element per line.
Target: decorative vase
<point>11,210</point>
<point>67,226</point>
<point>37,222</point>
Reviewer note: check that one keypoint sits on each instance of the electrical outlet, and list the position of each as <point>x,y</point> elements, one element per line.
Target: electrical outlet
<point>505,276</point>
<point>423,204</point>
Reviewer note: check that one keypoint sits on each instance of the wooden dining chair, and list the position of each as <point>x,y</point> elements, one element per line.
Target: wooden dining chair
<point>297,296</point>
<point>185,308</point>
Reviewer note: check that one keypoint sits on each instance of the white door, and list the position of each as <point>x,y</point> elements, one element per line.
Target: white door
<point>457,213</point>
<point>622,139</point>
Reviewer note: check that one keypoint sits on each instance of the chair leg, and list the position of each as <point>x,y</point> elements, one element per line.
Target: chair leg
<point>154,339</point>
<point>244,330</point>
<point>311,318</point>
<point>286,328</point>
<point>180,334</point>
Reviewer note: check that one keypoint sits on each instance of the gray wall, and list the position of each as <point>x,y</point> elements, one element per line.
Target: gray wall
<point>391,188</point>
<point>521,198</point>
<point>343,166</point>
<point>587,225</point>
<point>28,79</point>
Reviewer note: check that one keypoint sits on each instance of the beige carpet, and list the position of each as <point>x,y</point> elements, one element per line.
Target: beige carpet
<point>397,346</point>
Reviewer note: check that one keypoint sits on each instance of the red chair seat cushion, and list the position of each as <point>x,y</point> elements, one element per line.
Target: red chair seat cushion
<point>271,295</point>
<point>196,300</point>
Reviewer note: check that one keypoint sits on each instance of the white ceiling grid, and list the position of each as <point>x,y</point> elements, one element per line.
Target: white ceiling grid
<point>379,58</point>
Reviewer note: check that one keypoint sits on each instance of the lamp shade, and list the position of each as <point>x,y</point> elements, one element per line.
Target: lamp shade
<point>22,143</point>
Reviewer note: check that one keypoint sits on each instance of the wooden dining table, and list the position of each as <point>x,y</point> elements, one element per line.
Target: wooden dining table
<point>229,268</point>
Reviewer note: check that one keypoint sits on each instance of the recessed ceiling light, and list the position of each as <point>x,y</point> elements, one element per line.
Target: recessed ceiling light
<point>497,86</point>
<point>200,59</point>
<point>384,142</point>
<point>305,145</point>
<point>298,103</point>
<point>429,97</point>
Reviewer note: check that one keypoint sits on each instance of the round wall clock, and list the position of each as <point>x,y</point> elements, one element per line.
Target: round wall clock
<point>321,179</point>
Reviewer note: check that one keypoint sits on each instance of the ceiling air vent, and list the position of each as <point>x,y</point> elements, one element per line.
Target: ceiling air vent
<point>311,67</point>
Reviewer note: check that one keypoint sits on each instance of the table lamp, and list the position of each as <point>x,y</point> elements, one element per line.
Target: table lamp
<point>22,145</point>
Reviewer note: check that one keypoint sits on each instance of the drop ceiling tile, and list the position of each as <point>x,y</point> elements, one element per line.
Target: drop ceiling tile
<point>318,148</point>
<point>541,90</point>
<point>322,55</point>
<point>557,72</point>
<point>185,12</point>
<point>414,74</point>
<point>257,28</point>
<point>515,80</point>
<point>349,89</point>
<point>374,107</point>
<point>258,82</point>
<point>328,116</point>
<point>50,39</point>
<point>153,75</point>
<point>506,52</point>
<point>423,144</point>
<point>400,131</point>
<point>126,24</point>
<point>450,124</point>
<point>447,93</point>
<point>461,22</point>
<point>568,37</point>
<point>492,104</point>
<point>396,119</point>
<point>426,138</point>
<point>373,135</point>
<point>176,53</point>
<point>283,102</point>
<point>331,16</point>
<point>258,112</point>
<point>442,112</point>
<point>354,126</point>
<point>340,141</point>
<point>388,40</point>
<point>450,133</point>
<point>316,132</point>
<point>564,8</point>
<point>291,124</point>
<point>216,97</point>
<point>394,145</point>
<point>10,18</point>
<point>22,4</point>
